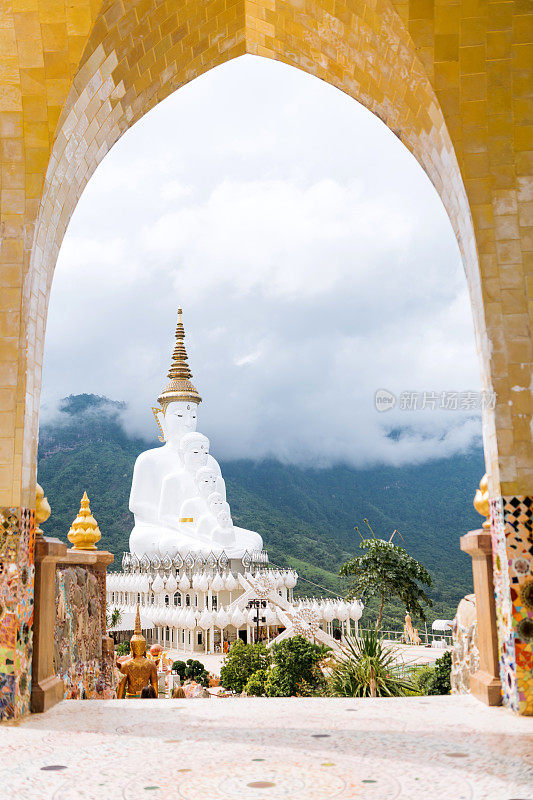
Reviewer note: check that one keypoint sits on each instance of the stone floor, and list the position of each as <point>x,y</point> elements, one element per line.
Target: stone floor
<point>441,748</point>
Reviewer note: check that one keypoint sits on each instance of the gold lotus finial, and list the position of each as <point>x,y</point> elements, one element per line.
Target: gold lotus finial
<point>84,532</point>
<point>180,386</point>
<point>481,501</point>
<point>42,509</point>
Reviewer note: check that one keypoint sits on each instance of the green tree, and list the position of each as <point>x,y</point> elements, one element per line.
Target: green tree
<point>435,679</point>
<point>196,671</point>
<point>388,571</point>
<point>443,668</point>
<point>180,667</point>
<point>193,670</point>
<point>241,662</point>
<point>296,669</point>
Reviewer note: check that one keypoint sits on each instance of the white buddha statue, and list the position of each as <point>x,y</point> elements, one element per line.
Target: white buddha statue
<point>178,495</point>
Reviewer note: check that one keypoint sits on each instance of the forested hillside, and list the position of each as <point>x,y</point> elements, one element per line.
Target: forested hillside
<point>306,516</point>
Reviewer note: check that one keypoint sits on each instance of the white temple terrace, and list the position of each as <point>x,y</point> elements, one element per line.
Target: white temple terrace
<point>200,580</point>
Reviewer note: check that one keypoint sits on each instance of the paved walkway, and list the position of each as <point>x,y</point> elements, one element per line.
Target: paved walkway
<point>441,748</point>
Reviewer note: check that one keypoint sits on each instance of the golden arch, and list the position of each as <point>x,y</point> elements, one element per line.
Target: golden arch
<point>79,76</point>
<point>450,77</point>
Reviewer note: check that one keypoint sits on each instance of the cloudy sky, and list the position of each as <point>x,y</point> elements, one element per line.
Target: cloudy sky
<point>313,259</point>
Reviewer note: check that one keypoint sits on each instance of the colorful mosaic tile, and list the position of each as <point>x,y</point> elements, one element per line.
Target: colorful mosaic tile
<point>87,672</point>
<point>25,603</point>
<point>17,547</point>
<point>7,695</point>
<point>7,660</point>
<point>9,585</point>
<point>512,545</point>
<point>9,537</point>
<point>8,629</point>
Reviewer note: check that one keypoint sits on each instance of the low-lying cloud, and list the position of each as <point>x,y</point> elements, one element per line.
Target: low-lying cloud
<point>314,262</point>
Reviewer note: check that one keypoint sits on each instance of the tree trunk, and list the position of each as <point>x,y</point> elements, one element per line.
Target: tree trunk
<point>373,688</point>
<point>378,622</point>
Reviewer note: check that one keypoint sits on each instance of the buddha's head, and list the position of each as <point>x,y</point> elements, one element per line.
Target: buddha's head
<point>194,449</point>
<point>206,480</point>
<point>179,419</point>
<point>138,645</point>
<point>215,502</point>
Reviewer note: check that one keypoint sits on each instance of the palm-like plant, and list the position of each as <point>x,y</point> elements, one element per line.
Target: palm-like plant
<point>114,618</point>
<point>367,668</point>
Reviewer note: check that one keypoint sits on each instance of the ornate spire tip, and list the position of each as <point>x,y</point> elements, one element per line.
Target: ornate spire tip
<point>180,386</point>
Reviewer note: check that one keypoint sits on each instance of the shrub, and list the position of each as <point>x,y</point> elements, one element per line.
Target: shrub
<point>192,670</point>
<point>441,680</point>
<point>296,668</point>
<point>255,685</point>
<point>197,672</point>
<point>123,649</point>
<point>241,662</point>
<point>424,679</point>
<point>180,667</point>
<point>367,663</point>
<point>275,684</point>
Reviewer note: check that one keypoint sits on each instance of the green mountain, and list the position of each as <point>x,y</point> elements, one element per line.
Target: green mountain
<point>305,516</point>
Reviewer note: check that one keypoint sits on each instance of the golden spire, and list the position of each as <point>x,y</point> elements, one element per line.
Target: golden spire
<point>180,386</point>
<point>84,532</point>
<point>138,631</point>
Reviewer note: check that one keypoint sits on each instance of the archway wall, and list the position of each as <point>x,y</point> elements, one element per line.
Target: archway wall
<point>138,53</point>
<point>450,78</point>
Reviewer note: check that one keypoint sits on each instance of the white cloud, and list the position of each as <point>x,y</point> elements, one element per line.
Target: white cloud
<point>314,261</point>
<point>278,238</point>
<point>175,190</point>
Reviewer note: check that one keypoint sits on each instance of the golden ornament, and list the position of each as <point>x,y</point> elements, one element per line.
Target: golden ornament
<point>42,509</point>
<point>84,532</point>
<point>481,501</point>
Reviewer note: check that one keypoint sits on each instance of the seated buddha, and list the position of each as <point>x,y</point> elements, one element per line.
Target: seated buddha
<point>172,484</point>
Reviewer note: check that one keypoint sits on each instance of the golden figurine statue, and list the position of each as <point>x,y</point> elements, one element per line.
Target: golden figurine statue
<point>139,671</point>
<point>410,633</point>
<point>42,509</point>
<point>84,532</point>
<point>481,501</point>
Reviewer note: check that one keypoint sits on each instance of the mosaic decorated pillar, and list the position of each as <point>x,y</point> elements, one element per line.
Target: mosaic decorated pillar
<point>17,545</point>
<point>512,546</point>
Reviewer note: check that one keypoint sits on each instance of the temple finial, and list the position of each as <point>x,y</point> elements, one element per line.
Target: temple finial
<point>84,531</point>
<point>180,386</point>
<point>482,502</point>
<point>138,629</point>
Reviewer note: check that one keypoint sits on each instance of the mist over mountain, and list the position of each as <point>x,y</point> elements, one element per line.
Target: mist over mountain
<point>305,516</point>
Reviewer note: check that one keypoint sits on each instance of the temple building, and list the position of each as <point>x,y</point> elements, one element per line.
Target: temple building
<point>200,581</point>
